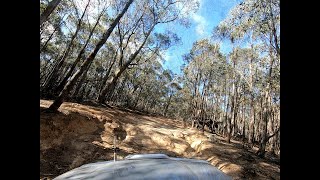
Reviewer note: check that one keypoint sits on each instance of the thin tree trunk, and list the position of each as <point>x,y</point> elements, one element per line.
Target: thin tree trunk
<point>43,73</point>
<point>232,110</point>
<point>235,113</point>
<point>50,74</point>
<point>266,111</point>
<point>79,84</point>
<point>264,123</point>
<point>107,75</point>
<point>167,105</point>
<point>252,121</point>
<point>81,95</point>
<point>229,126</point>
<point>272,150</point>
<point>137,99</point>
<point>274,31</point>
<point>50,37</point>
<point>226,103</point>
<point>243,124</point>
<point>44,47</point>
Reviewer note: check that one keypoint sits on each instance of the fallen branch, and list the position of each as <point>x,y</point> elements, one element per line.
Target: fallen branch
<point>273,134</point>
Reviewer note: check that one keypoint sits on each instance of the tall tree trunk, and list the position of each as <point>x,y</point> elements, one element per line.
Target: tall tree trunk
<point>226,104</point>
<point>57,103</point>
<point>274,31</point>
<point>243,124</point>
<point>266,111</point>
<point>273,143</point>
<point>46,13</point>
<point>80,96</point>
<point>137,99</point>
<point>259,123</point>
<point>50,37</point>
<point>106,76</point>
<point>264,123</point>
<point>79,84</point>
<point>232,107</point>
<point>235,112</point>
<point>167,105</point>
<point>50,73</point>
<point>229,126</point>
<point>86,96</point>
<point>44,47</point>
<point>252,120</point>
<point>43,73</point>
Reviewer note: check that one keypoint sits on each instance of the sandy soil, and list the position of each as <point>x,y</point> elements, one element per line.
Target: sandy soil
<point>80,134</point>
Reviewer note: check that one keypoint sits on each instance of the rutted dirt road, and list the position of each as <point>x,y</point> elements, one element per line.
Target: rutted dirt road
<point>81,134</point>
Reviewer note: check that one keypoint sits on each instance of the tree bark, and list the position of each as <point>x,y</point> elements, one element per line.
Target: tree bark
<point>106,76</point>
<point>235,112</point>
<point>232,104</point>
<point>167,105</point>
<point>243,124</point>
<point>266,108</point>
<point>265,112</point>
<point>79,84</point>
<point>50,37</point>
<point>252,120</point>
<point>273,143</point>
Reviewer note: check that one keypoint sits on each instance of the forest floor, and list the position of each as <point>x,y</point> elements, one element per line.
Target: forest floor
<point>80,134</point>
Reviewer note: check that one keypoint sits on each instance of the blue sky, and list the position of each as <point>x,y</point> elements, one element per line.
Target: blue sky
<point>210,13</point>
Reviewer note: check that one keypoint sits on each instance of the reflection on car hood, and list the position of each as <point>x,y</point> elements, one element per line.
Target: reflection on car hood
<point>147,166</point>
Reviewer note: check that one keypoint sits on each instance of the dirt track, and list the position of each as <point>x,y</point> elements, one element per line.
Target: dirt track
<point>81,134</point>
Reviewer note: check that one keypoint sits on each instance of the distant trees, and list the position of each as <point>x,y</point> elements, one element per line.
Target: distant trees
<point>255,70</point>
<point>239,90</point>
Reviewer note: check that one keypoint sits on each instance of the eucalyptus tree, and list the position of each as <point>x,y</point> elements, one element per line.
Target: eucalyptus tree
<point>204,71</point>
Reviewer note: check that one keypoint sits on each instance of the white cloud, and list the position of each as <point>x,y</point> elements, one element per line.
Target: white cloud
<point>200,21</point>
<point>167,56</point>
<point>93,9</point>
<point>201,24</point>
